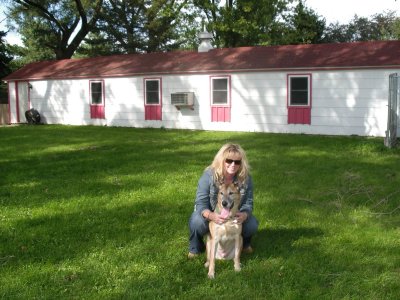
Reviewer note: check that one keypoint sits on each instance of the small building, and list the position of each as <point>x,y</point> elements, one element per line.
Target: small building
<point>334,89</point>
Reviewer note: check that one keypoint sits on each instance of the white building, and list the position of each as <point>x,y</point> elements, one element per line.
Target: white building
<point>338,89</point>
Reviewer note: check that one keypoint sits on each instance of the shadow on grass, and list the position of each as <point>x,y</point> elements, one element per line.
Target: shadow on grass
<point>278,242</point>
<point>92,171</point>
<point>67,235</point>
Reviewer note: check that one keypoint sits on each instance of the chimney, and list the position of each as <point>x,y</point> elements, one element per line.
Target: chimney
<point>205,42</point>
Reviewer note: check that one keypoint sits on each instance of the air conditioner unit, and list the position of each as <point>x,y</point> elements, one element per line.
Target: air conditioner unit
<point>182,99</point>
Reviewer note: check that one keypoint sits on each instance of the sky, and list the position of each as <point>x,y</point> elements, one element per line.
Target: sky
<point>333,11</point>
<point>343,11</point>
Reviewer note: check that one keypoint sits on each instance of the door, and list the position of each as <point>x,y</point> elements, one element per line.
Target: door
<point>220,99</point>
<point>23,101</point>
<point>299,99</point>
<point>152,99</point>
<point>97,103</point>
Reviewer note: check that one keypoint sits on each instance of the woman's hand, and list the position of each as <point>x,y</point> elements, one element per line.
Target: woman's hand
<point>216,218</point>
<point>241,217</point>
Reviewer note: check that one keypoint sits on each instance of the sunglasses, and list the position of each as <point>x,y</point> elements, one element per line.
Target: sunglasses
<point>237,162</point>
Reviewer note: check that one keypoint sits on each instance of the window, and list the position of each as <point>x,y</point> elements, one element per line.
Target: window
<point>97,102</point>
<point>299,98</point>
<point>220,98</point>
<point>153,99</point>
<point>152,91</point>
<point>220,91</point>
<point>96,91</point>
<point>299,90</point>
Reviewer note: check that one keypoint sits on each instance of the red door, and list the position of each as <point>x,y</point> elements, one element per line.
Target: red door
<point>220,98</point>
<point>220,114</point>
<point>152,112</point>
<point>97,112</point>
<point>152,101</point>
<point>299,98</point>
<point>97,105</point>
<point>299,115</point>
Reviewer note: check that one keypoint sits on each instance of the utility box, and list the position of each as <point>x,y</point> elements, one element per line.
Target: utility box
<point>184,99</point>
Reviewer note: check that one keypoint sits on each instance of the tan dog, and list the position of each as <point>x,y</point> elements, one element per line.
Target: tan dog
<point>225,240</point>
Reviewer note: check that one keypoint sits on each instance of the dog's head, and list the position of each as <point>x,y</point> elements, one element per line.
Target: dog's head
<point>228,199</point>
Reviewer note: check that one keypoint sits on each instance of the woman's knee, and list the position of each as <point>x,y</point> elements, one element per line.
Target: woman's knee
<point>250,227</point>
<point>198,223</point>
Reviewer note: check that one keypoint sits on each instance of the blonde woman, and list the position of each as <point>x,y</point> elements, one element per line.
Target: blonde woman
<point>230,164</point>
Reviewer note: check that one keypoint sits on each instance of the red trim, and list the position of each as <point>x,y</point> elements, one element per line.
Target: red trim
<point>221,112</point>
<point>299,114</point>
<point>153,111</point>
<point>159,90</point>
<point>97,111</point>
<point>229,90</point>
<point>17,100</point>
<point>29,94</point>
<point>102,91</point>
<point>9,104</point>
<point>309,75</point>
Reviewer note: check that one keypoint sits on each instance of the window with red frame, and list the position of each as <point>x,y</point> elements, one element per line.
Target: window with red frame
<point>97,99</point>
<point>220,99</point>
<point>299,99</point>
<point>152,103</point>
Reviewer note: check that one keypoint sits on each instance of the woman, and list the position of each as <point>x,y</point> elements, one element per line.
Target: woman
<point>229,164</point>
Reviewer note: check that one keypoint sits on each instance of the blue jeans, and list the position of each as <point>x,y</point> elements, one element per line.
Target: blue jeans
<point>198,227</point>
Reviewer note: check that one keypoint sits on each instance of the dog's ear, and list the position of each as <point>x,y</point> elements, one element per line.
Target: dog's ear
<point>237,184</point>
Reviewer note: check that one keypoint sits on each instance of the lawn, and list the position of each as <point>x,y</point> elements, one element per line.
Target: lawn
<point>101,213</point>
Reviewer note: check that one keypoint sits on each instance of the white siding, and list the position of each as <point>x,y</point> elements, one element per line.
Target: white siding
<point>61,102</point>
<point>20,106</point>
<point>351,102</point>
<point>343,102</point>
<point>13,103</point>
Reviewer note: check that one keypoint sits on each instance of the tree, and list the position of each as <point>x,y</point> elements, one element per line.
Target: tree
<point>5,59</point>
<point>144,26</point>
<point>5,56</point>
<point>386,25</point>
<point>162,19</point>
<point>96,44</point>
<point>337,33</point>
<point>242,22</point>
<point>304,26</point>
<point>383,26</point>
<point>58,26</point>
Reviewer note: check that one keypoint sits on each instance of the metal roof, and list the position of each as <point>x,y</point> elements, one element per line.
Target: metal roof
<point>357,55</point>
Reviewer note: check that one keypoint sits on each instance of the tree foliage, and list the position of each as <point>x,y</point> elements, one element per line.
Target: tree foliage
<point>54,28</point>
<point>241,22</point>
<point>302,26</point>
<point>5,59</point>
<point>143,25</point>
<point>5,56</point>
<point>382,26</point>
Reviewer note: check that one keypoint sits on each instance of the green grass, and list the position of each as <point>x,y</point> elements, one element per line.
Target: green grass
<point>101,213</point>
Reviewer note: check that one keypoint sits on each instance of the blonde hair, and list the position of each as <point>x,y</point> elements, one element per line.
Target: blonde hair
<point>218,163</point>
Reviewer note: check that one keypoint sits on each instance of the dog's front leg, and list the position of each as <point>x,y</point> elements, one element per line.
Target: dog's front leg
<point>208,249</point>
<point>213,252</point>
<point>238,250</point>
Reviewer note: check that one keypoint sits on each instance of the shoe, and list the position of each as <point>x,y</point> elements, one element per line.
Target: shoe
<point>192,255</point>
<point>248,250</point>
